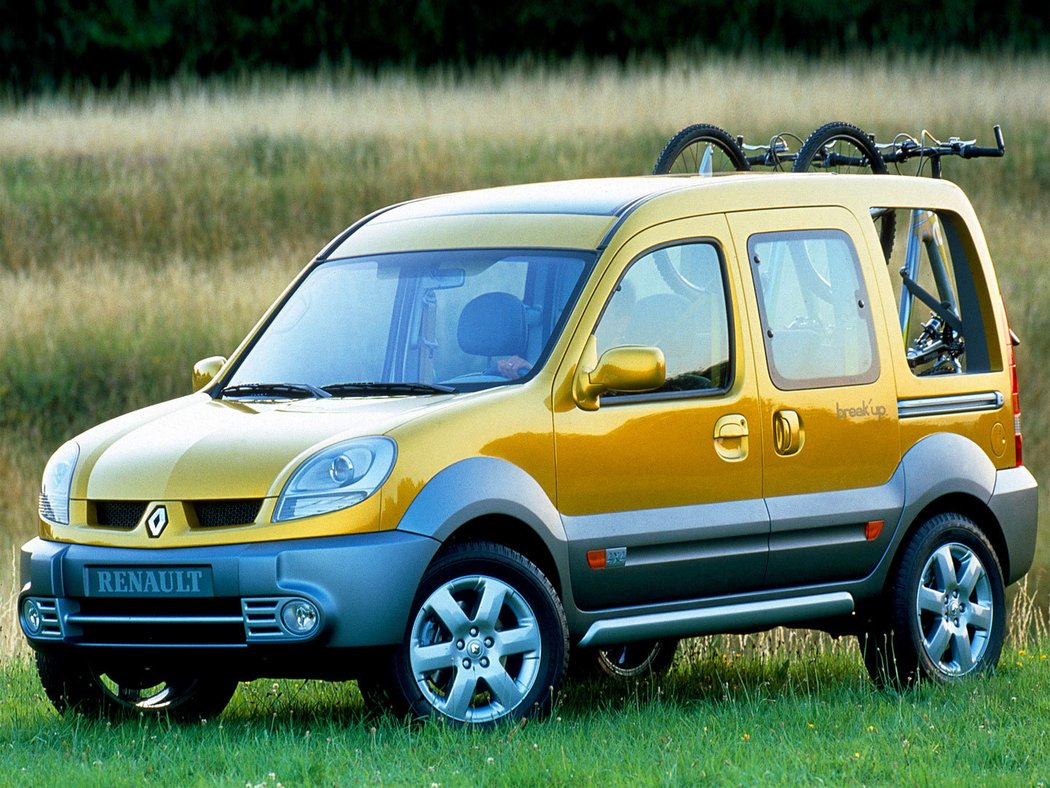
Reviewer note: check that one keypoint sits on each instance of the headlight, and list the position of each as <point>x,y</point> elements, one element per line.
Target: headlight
<point>336,477</point>
<point>58,477</point>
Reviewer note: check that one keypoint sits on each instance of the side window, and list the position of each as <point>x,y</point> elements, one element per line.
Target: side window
<point>816,317</point>
<point>674,298</point>
<point>938,296</point>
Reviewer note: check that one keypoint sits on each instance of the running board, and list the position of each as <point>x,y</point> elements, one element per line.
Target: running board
<point>712,620</point>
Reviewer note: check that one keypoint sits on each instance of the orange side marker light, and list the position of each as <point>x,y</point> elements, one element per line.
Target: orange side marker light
<point>873,529</point>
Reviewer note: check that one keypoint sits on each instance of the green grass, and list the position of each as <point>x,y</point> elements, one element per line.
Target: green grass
<point>787,717</point>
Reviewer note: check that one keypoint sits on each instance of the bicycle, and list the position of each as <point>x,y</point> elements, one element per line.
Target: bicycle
<point>706,149</point>
<point>844,148</point>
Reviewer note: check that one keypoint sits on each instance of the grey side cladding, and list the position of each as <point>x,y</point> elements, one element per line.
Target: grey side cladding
<point>484,487</point>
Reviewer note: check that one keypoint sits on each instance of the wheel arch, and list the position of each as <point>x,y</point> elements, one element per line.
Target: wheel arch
<point>492,500</point>
<point>513,534</point>
<point>943,472</point>
<point>967,505</point>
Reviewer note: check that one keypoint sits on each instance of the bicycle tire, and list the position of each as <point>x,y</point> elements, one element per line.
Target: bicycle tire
<point>684,152</point>
<point>864,158</point>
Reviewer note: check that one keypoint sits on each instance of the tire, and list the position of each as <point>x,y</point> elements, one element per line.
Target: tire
<point>947,618</point>
<point>844,148</point>
<point>74,686</point>
<point>626,662</point>
<point>685,152</point>
<point>486,641</point>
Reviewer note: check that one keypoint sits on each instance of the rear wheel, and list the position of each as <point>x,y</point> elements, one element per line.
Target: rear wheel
<point>487,640</point>
<point>700,149</point>
<point>74,686</point>
<point>948,614</point>
<point>844,148</point>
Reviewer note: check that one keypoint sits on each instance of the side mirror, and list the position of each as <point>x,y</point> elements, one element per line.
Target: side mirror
<point>205,370</point>
<point>626,368</point>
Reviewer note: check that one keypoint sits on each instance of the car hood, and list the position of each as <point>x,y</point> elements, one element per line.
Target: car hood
<point>200,448</point>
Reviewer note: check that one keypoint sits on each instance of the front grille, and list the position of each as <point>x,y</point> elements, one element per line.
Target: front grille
<point>119,514</point>
<point>169,622</point>
<point>217,514</point>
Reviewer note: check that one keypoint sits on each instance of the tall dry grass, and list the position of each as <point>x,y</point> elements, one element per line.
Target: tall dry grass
<point>141,232</point>
<point>750,95</point>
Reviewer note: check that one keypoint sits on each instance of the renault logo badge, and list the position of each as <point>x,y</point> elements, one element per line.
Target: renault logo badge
<point>157,521</point>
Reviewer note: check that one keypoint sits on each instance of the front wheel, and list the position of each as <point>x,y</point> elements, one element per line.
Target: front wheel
<point>75,686</point>
<point>487,639</point>
<point>948,610</point>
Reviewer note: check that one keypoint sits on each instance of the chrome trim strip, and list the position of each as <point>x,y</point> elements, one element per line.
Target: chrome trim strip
<point>710,620</point>
<point>77,618</point>
<point>945,406</point>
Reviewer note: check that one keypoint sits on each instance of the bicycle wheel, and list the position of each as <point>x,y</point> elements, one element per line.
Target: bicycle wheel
<point>844,148</point>
<point>839,147</point>
<point>700,149</point>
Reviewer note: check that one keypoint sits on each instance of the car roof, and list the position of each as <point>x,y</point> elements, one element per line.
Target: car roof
<point>586,214</point>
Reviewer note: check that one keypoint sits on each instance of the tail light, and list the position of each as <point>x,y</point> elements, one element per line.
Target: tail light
<point>1015,396</point>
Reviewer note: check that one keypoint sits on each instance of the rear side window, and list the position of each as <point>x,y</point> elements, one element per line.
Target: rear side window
<point>939,295</point>
<point>674,298</point>
<point>816,317</point>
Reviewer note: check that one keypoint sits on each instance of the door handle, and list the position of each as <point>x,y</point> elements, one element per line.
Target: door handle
<point>731,437</point>
<point>788,434</point>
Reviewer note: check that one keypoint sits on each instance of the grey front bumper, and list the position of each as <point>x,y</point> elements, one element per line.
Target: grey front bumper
<point>361,586</point>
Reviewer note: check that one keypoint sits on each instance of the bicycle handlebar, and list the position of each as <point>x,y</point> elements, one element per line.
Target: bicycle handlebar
<point>973,151</point>
<point>911,149</point>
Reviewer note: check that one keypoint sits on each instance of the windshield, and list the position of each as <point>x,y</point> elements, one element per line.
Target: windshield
<point>441,321</point>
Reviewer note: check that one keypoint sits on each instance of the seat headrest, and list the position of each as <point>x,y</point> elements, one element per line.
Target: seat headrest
<point>493,324</point>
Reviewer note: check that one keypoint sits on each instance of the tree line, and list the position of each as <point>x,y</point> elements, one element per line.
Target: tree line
<point>51,44</point>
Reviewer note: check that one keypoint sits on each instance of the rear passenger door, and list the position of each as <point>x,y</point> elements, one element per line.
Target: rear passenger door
<point>830,440</point>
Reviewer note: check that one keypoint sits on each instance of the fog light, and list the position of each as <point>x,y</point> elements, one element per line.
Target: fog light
<point>300,617</point>
<point>33,618</point>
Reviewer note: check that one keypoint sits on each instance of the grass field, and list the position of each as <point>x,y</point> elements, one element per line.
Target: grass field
<point>724,715</point>
<point>141,232</point>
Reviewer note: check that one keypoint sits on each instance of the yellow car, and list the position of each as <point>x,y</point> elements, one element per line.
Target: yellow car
<point>484,432</point>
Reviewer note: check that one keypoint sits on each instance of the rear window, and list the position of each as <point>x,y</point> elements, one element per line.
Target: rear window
<point>939,294</point>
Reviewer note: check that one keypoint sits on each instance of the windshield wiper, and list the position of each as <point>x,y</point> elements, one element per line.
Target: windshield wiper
<point>283,390</point>
<point>379,389</point>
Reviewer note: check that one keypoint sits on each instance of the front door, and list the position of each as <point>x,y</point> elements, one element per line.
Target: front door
<point>661,492</point>
<point>830,443</point>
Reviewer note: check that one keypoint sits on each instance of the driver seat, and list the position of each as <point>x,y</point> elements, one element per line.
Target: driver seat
<point>493,324</point>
